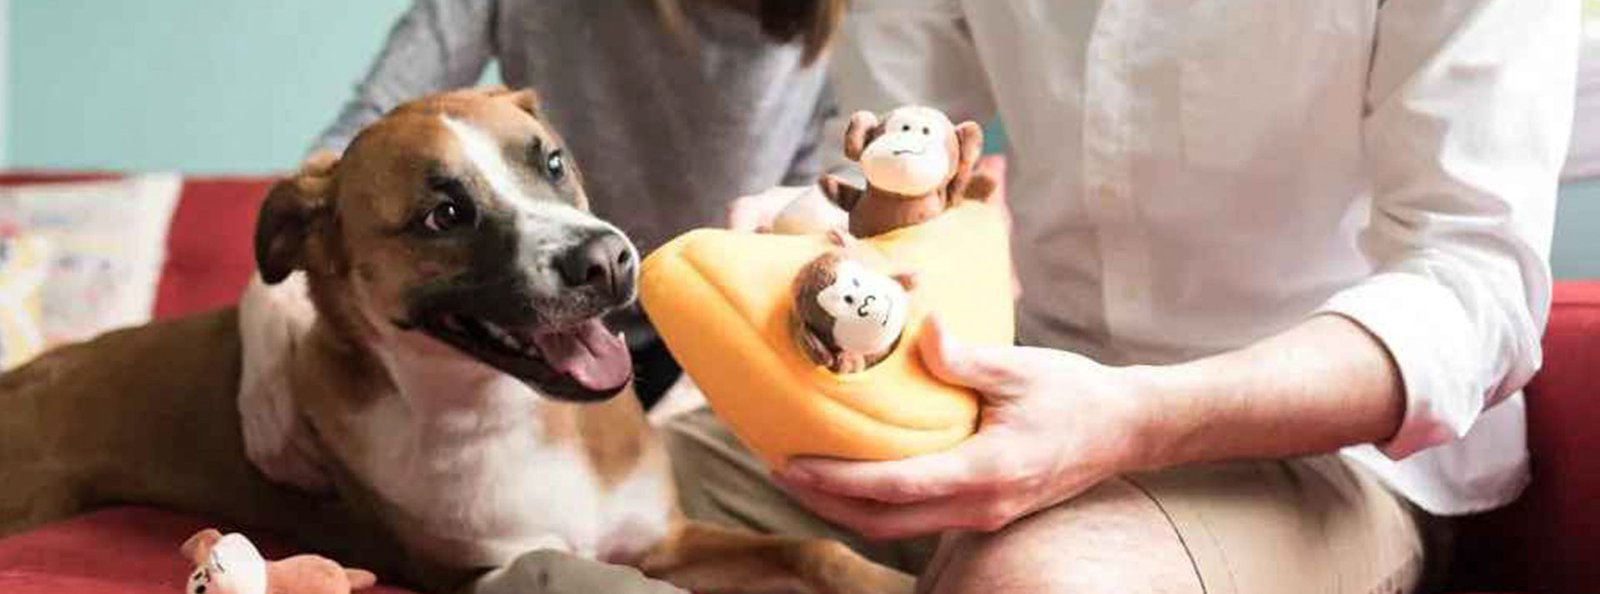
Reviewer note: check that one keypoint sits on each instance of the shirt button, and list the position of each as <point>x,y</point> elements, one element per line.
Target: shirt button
<point>1106,196</point>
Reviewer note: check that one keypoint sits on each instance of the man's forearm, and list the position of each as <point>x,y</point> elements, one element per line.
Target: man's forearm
<point>1322,385</point>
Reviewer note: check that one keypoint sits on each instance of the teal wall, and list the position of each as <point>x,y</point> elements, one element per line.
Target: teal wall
<point>232,86</point>
<point>1576,253</point>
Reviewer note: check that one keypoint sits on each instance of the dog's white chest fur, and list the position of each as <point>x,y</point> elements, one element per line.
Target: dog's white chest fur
<point>482,484</point>
<point>459,454</point>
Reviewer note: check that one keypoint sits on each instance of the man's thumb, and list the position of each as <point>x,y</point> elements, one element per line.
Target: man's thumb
<point>986,369</point>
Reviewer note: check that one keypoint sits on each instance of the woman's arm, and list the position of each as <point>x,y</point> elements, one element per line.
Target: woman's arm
<point>436,45</point>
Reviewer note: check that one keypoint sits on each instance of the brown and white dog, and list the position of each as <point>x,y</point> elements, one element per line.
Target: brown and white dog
<point>452,383</point>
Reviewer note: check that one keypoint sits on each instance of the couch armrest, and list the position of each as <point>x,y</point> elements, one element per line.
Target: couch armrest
<point>1549,540</point>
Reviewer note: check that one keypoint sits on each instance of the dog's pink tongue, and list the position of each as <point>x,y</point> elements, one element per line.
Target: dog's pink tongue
<point>590,354</point>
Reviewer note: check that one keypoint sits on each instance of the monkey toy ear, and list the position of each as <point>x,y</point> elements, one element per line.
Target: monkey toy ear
<point>969,146</point>
<point>906,278</point>
<point>526,99</point>
<point>863,129</point>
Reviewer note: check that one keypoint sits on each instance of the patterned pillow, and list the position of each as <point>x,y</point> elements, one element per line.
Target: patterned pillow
<point>107,243</point>
<point>24,262</point>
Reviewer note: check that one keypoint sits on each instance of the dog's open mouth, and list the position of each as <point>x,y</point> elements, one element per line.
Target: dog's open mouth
<point>582,362</point>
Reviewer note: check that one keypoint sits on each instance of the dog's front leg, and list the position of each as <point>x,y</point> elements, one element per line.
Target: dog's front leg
<point>555,572</point>
<point>711,559</point>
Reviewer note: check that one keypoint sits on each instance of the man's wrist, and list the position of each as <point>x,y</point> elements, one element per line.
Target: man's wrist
<point>1320,386</point>
<point>1162,415</point>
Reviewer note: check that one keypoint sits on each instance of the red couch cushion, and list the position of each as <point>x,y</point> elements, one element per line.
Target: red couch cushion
<point>1549,540</point>
<point>125,550</point>
<point>210,255</point>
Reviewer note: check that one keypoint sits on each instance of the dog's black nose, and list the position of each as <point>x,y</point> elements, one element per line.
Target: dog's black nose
<point>604,260</point>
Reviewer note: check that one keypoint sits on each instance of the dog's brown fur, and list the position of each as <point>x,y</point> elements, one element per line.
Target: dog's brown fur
<point>150,415</point>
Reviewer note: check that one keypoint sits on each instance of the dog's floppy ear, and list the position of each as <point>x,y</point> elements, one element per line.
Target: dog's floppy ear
<point>288,214</point>
<point>969,146</point>
<point>863,129</point>
<point>527,99</point>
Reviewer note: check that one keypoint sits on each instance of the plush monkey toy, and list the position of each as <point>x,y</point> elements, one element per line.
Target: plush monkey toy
<point>230,564</point>
<point>917,165</point>
<point>846,315</point>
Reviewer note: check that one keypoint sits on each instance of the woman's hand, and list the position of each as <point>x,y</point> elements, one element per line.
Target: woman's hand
<point>756,212</point>
<point>1053,424</point>
<point>786,209</point>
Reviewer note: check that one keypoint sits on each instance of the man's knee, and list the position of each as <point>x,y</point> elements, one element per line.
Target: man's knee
<point>1112,538</point>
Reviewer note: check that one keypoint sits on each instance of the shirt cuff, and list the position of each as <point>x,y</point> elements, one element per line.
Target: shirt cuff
<point>1428,335</point>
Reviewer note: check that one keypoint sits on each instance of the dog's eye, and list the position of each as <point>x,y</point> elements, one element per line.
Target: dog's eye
<point>449,215</point>
<point>926,131</point>
<point>905,127</point>
<point>556,165</point>
<point>848,300</point>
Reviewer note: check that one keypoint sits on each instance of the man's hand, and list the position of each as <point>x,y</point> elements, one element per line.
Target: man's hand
<point>1053,425</point>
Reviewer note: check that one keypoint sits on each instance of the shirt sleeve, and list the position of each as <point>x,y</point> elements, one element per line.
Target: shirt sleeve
<point>436,45</point>
<point>897,52</point>
<point>1469,108</point>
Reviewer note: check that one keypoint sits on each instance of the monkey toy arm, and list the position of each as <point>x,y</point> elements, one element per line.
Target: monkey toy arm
<point>812,345</point>
<point>847,363</point>
<point>840,192</point>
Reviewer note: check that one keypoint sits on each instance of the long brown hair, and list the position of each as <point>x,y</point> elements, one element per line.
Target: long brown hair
<point>783,20</point>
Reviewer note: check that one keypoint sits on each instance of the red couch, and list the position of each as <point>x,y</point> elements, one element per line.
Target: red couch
<point>1548,542</point>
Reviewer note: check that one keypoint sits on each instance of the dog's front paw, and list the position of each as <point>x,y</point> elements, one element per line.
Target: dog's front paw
<point>844,571</point>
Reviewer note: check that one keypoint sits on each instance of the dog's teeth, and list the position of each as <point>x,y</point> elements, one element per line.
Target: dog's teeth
<point>505,337</point>
<point>495,331</point>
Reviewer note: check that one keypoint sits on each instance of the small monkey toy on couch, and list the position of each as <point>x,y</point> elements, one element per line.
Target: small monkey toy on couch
<point>799,340</point>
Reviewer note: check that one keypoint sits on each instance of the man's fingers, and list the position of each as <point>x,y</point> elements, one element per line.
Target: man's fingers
<point>747,214</point>
<point>959,470</point>
<point>882,521</point>
<point>987,369</point>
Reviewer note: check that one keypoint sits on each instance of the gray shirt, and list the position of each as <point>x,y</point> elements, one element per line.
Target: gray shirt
<point>665,135</point>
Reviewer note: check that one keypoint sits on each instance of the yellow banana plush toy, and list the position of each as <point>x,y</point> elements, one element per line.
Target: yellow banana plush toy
<point>725,303</point>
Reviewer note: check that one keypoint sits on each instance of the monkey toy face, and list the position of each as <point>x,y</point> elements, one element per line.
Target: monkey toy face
<point>228,565</point>
<point>915,153</point>
<point>868,309</point>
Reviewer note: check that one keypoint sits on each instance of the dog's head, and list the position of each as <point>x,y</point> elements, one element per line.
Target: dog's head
<point>460,219</point>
